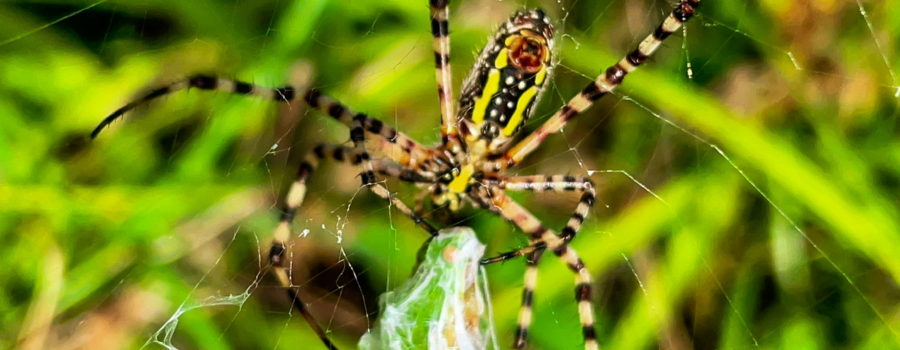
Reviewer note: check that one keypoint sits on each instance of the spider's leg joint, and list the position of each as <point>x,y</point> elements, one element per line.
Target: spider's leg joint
<point>686,10</point>
<point>593,92</point>
<point>356,135</point>
<point>204,82</point>
<point>583,291</point>
<point>588,332</point>
<point>439,3</point>
<point>588,198</point>
<point>367,177</point>
<point>521,337</point>
<point>287,215</point>
<point>304,170</point>
<point>276,254</point>
<point>373,125</point>
<point>440,28</point>
<point>615,74</point>
<point>312,97</point>
<point>243,88</point>
<point>285,94</point>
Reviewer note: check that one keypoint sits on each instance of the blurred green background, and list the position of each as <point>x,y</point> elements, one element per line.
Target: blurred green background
<point>103,240</point>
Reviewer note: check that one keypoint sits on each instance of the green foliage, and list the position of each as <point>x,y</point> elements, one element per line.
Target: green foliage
<point>787,238</point>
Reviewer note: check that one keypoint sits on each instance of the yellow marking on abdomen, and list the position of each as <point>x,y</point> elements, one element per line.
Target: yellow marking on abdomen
<point>490,88</point>
<point>502,59</point>
<point>519,115</point>
<point>541,75</point>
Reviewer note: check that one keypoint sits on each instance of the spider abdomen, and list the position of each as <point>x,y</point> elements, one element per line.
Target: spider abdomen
<point>507,79</point>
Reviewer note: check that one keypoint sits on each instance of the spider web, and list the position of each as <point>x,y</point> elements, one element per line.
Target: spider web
<point>339,216</point>
<point>689,71</point>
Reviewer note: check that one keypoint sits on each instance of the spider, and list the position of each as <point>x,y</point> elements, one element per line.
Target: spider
<point>477,145</point>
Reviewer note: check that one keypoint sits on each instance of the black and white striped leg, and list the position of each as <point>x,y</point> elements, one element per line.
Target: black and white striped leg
<point>412,154</point>
<point>556,183</point>
<point>294,199</point>
<point>440,32</point>
<point>602,85</point>
<point>528,286</point>
<point>530,225</point>
<point>367,176</point>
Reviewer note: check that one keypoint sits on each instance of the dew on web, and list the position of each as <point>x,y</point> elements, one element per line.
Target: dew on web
<point>687,54</point>
<point>573,40</point>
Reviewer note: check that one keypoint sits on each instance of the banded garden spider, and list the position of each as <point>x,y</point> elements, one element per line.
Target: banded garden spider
<point>476,148</point>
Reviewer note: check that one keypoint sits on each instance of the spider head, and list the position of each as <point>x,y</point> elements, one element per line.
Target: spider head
<point>507,80</point>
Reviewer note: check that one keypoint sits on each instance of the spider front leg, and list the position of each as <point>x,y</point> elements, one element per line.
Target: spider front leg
<point>602,85</point>
<point>410,154</point>
<point>297,192</point>
<point>530,225</point>
<point>294,199</point>
<point>556,183</point>
<point>529,284</point>
<point>367,176</point>
<point>440,32</point>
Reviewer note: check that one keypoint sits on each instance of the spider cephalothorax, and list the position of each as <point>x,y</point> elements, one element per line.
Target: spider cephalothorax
<point>476,150</point>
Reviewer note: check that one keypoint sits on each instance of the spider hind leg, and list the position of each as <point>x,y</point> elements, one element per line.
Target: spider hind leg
<point>531,226</point>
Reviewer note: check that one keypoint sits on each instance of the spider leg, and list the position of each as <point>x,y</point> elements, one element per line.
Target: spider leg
<point>528,223</point>
<point>556,183</point>
<point>294,199</point>
<point>601,86</point>
<point>369,180</point>
<point>420,201</point>
<point>528,286</point>
<point>440,31</point>
<point>357,135</point>
<point>411,153</point>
